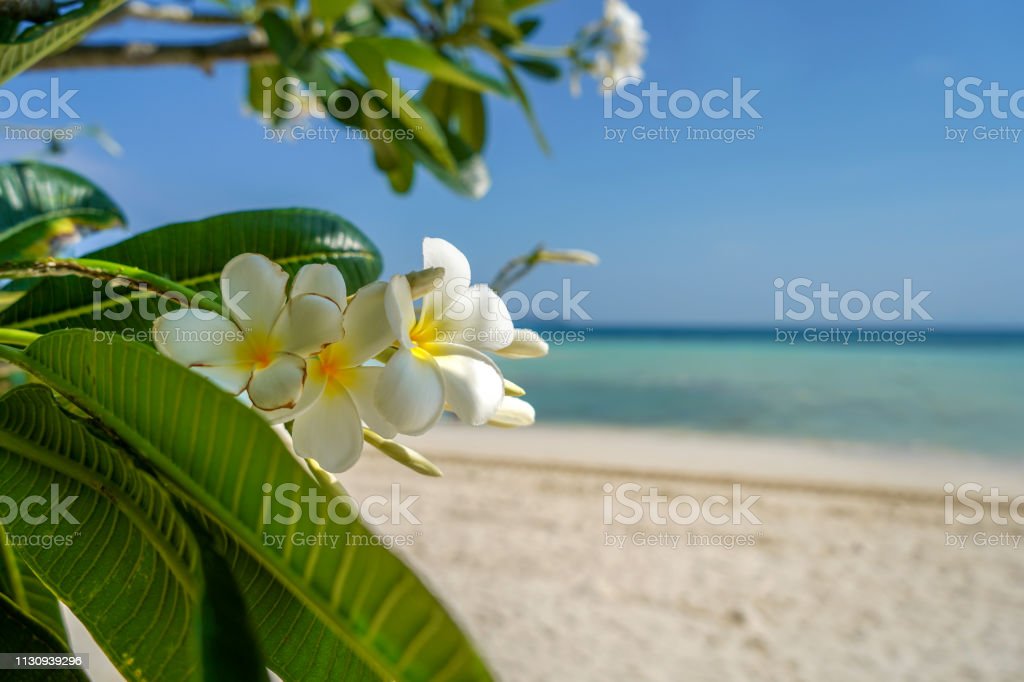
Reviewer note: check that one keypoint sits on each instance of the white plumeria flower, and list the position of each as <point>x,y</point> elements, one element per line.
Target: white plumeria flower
<point>627,47</point>
<point>339,392</point>
<point>262,346</point>
<point>439,359</point>
<point>513,412</point>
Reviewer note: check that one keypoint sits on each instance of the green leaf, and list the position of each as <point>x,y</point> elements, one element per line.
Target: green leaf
<point>20,633</point>
<point>193,254</point>
<point>422,56</point>
<point>219,454</point>
<point>496,14</point>
<point>470,178</point>
<point>229,646</point>
<point>29,189</point>
<point>524,102</point>
<point>122,559</point>
<point>330,11</point>
<point>472,118</point>
<point>412,115</point>
<point>542,68</point>
<point>264,99</point>
<point>437,97</point>
<point>39,41</point>
<point>41,204</point>
<point>297,645</point>
<point>21,586</point>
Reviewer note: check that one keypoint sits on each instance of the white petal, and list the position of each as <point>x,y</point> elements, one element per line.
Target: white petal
<point>410,391</point>
<point>231,378</point>
<point>478,319</point>
<point>253,290</point>
<point>513,412</point>
<point>198,337</point>
<point>439,253</point>
<point>311,391</point>
<point>279,384</point>
<point>398,308</point>
<point>361,384</point>
<point>366,327</point>
<point>526,343</point>
<point>308,323</point>
<point>323,279</point>
<point>330,431</point>
<point>473,385</point>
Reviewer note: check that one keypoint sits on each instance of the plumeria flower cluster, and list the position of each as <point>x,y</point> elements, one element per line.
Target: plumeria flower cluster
<point>620,44</point>
<point>367,366</point>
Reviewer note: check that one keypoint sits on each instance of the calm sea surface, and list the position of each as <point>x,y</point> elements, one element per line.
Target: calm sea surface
<point>960,391</point>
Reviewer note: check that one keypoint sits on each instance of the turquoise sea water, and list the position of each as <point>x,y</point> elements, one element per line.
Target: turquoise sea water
<point>961,392</point>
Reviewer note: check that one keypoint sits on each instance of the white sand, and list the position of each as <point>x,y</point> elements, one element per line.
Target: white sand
<point>848,577</point>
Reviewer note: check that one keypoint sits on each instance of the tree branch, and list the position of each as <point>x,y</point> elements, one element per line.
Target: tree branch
<point>172,14</point>
<point>251,48</point>
<point>36,11</point>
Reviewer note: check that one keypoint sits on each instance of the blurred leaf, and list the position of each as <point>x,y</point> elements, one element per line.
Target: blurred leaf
<point>470,177</point>
<point>36,42</point>
<point>496,14</point>
<point>29,189</point>
<point>42,205</point>
<point>524,102</point>
<point>517,5</point>
<point>330,11</point>
<point>437,97</point>
<point>542,68</point>
<point>193,254</point>
<point>472,118</point>
<point>264,99</point>
<point>528,26</point>
<point>412,115</point>
<point>422,56</point>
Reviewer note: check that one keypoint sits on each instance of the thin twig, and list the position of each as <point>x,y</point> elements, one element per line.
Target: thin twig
<point>250,48</point>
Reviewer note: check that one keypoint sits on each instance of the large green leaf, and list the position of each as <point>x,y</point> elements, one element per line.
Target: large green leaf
<point>193,254</point>
<point>20,633</point>
<point>40,204</point>
<point>21,586</point>
<point>298,645</point>
<point>29,189</point>
<point>159,603</point>
<point>219,454</point>
<point>122,560</point>
<point>424,57</point>
<point>39,41</point>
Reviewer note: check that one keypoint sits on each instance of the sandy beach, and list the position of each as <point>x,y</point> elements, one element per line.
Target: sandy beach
<point>847,576</point>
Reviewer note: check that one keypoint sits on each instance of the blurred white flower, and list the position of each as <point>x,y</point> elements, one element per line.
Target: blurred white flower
<point>626,47</point>
<point>261,347</point>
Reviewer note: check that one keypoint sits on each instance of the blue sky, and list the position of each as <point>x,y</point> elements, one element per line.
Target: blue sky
<point>849,179</point>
